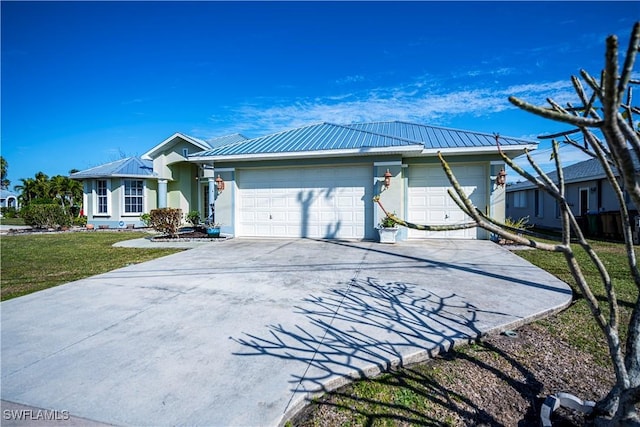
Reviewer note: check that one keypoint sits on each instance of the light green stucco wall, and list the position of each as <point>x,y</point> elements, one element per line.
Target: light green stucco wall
<point>182,191</point>
<point>393,198</point>
<point>224,203</point>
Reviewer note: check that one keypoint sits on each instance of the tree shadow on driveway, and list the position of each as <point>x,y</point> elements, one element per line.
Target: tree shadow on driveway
<point>366,327</point>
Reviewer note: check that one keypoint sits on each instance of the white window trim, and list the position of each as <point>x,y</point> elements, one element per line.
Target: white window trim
<point>94,192</point>
<point>144,198</point>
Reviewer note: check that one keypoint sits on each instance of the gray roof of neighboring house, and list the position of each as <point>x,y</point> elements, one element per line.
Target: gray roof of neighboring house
<point>583,171</point>
<point>363,136</point>
<point>437,137</point>
<point>130,167</point>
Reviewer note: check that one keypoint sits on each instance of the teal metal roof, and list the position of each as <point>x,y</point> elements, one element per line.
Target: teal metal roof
<point>317,137</point>
<point>437,137</point>
<point>359,136</point>
<point>226,140</point>
<point>133,167</point>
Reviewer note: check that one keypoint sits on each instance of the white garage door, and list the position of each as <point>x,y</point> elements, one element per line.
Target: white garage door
<point>319,202</point>
<point>429,202</point>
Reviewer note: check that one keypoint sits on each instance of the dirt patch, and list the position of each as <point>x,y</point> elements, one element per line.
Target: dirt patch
<point>500,381</point>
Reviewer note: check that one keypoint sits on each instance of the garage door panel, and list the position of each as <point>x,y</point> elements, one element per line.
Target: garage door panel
<point>430,203</point>
<point>345,202</point>
<point>318,202</point>
<point>279,202</point>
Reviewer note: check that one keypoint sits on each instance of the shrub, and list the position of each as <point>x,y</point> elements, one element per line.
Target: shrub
<point>146,219</point>
<point>80,221</point>
<point>9,212</point>
<point>387,222</point>
<point>193,218</point>
<point>522,223</point>
<point>166,220</point>
<point>45,216</point>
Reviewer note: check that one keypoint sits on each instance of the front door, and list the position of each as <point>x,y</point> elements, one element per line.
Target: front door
<point>584,201</point>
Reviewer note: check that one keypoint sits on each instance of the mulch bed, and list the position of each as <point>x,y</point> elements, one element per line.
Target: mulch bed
<point>194,235</point>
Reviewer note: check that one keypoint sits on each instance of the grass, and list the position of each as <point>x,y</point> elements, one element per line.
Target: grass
<point>576,325</point>
<point>30,263</point>
<point>12,221</point>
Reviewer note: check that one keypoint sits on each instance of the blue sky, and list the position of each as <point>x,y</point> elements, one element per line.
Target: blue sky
<point>84,83</point>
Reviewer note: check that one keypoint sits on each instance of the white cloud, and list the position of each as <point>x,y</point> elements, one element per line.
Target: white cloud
<point>349,79</point>
<point>421,101</point>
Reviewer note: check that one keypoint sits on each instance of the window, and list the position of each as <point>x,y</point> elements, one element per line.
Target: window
<point>102,197</point>
<point>520,199</point>
<point>133,196</point>
<point>185,152</point>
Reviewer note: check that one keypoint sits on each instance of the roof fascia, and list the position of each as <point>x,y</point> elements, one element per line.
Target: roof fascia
<point>479,150</point>
<point>149,154</point>
<point>530,186</point>
<point>97,176</point>
<point>311,154</point>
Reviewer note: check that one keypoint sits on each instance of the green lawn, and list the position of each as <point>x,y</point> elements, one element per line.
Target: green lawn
<point>576,324</point>
<point>12,221</point>
<point>30,263</point>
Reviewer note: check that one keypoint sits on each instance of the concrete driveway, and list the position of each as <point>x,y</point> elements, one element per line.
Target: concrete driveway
<point>239,333</point>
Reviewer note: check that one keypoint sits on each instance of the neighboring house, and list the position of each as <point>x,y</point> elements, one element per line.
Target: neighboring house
<point>315,181</point>
<point>8,199</point>
<point>588,193</point>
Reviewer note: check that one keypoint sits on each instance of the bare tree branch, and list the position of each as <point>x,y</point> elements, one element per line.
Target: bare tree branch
<point>554,115</point>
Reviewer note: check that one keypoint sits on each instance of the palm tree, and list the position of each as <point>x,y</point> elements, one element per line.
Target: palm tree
<point>66,190</point>
<point>28,191</point>
<point>57,190</point>
<point>4,167</point>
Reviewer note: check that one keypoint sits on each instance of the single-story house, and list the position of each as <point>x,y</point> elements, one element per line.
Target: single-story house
<point>316,181</point>
<point>8,199</point>
<point>588,192</point>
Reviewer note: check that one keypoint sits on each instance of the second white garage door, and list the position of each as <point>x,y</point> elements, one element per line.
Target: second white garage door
<point>319,202</point>
<point>429,202</point>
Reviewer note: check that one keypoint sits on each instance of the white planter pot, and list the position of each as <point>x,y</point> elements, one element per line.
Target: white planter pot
<point>388,235</point>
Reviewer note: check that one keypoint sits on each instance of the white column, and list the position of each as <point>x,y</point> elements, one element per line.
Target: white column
<point>162,193</point>
<point>212,197</point>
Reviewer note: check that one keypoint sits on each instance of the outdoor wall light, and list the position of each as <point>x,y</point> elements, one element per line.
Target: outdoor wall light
<point>501,179</point>
<point>387,179</point>
<point>219,184</point>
